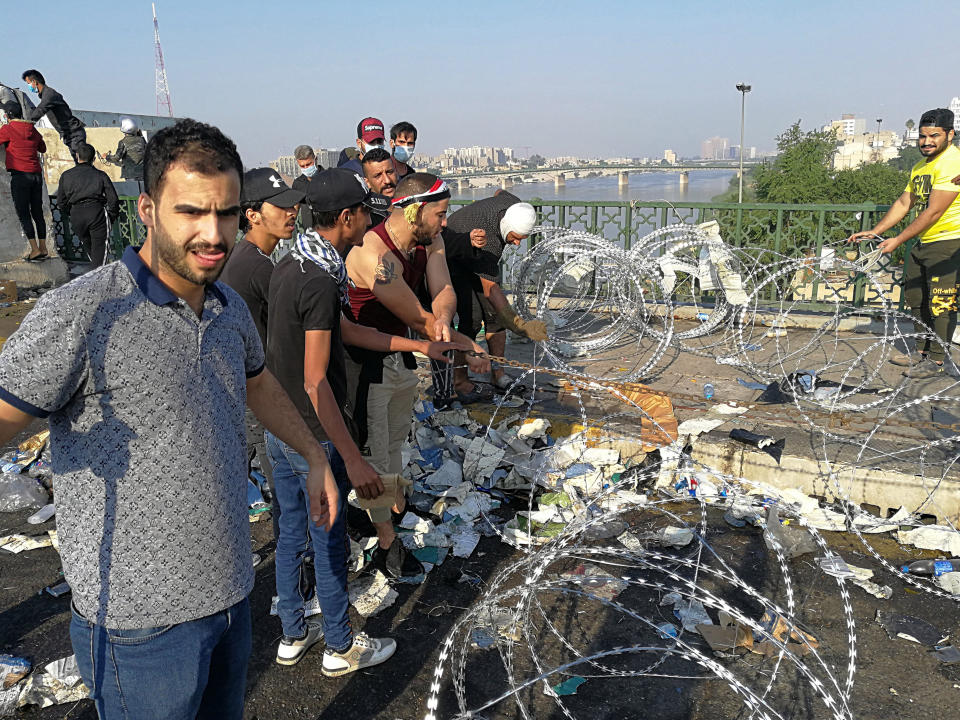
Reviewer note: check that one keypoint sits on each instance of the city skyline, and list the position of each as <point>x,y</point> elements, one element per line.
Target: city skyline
<point>624,80</point>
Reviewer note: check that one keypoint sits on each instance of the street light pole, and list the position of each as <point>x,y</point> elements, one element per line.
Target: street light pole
<point>744,89</point>
<point>876,142</point>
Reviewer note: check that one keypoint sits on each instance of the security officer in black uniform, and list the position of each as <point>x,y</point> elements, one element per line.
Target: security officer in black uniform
<point>87,195</point>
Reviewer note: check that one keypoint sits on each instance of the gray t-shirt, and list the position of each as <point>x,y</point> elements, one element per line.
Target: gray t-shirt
<point>146,405</point>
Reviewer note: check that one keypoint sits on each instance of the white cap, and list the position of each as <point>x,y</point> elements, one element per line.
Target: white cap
<point>519,218</point>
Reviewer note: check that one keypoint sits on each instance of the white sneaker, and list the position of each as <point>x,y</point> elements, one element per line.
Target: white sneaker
<point>312,607</point>
<point>291,650</point>
<point>364,652</point>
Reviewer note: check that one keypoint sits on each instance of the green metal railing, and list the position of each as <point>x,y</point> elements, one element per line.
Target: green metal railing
<point>127,230</point>
<point>784,229</point>
<point>791,230</point>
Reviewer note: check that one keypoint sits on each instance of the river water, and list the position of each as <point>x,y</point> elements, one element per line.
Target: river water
<point>651,186</point>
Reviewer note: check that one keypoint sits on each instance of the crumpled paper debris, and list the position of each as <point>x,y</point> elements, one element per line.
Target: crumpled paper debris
<point>59,682</point>
<point>596,581</point>
<point>932,537</point>
<point>481,459</point>
<point>18,543</point>
<point>371,594</point>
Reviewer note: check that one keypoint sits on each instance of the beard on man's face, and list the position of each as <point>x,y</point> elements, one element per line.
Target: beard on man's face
<point>176,257</point>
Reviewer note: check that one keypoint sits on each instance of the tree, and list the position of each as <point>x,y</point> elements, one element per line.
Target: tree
<point>875,182</point>
<point>536,160</point>
<point>908,157</point>
<point>801,172</point>
<point>910,124</point>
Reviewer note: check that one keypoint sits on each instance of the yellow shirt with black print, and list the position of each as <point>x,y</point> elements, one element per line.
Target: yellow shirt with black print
<point>937,174</point>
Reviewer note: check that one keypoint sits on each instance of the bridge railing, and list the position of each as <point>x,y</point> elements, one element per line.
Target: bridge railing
<point>800,230</point>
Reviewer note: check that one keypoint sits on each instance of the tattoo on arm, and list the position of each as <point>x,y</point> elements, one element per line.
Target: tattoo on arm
<point>385,272</point>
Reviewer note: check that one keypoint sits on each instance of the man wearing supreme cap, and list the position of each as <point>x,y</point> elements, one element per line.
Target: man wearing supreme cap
<point>369,136</point>
<point>308,292</point>
<point>400,268</point>
<point>930,282</point>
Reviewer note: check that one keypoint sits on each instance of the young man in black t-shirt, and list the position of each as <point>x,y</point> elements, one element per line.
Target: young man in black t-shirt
<point>268,214</point>
<point>305,351</point>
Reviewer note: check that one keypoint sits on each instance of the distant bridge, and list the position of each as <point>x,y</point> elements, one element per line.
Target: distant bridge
<point>560,175</point>
<point>619,168</point>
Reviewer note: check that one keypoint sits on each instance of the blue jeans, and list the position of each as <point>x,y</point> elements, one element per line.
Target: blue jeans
<point>297,535</point>
<point>195,669</point>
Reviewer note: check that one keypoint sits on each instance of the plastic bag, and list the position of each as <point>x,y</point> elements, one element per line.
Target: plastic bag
<point>19,491</point>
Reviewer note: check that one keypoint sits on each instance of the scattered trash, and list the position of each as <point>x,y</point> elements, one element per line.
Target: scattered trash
<point>596,581</point>
<point>773,448</point>
<point>836,566</point>
<point>950,582</point>
<point>13,669</point>
<point>58,590</point>
<point>948,655</point>
<point>708,391</point>
<point>793,541</point>
<point>861,578</point>
<point>932,537</point>
<point>667,630</point>
<point>910,628</point>
<point>17,543</point>
<point>752,385</point>
<point>58,683</point>
<point>18,492</point>
<point>372,594</point>
<point>43,514</point>
<point>932,567</point>
<point>797,641</point>
<point>567,687</point>
<point>727,635</point>
<point>481,638</point>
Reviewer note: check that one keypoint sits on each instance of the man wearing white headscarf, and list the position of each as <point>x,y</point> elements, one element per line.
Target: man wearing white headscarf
<point>475,238</point>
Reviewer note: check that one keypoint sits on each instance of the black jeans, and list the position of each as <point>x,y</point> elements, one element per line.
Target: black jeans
<point>930,289</point>
<point>89,224</point>
<point>27,191</point>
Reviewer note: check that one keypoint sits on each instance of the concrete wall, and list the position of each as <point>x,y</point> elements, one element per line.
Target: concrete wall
<point>57,158</point>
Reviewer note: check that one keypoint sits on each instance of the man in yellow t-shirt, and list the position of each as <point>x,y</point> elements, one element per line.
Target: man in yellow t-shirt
<point>930,281</point>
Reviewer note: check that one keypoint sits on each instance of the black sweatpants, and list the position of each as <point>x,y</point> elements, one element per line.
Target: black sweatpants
<point>89,224</point>
<point>27,191</point>
<point>930,289</point>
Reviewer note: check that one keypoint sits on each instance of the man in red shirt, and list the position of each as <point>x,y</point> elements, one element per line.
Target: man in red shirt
<point>24,144</point>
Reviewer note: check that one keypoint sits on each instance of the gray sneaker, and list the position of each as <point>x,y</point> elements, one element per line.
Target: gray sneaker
<point>925,371</point>
<point>907,359</point>
<point>291,650</point>
<point>364,652</point>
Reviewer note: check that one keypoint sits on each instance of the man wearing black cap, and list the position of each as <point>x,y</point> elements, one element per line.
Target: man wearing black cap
<point>930,281</point>
<point>308,291</point>
<point>268,214</point>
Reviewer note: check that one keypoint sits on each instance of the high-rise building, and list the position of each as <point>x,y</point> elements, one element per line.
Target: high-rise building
<point>847,126</point>
<point>670,156</point>
<point>714,148</point>
<point>955,107</point>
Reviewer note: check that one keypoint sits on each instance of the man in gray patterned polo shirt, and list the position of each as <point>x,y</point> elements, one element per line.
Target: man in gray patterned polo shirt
<point>144,367</point>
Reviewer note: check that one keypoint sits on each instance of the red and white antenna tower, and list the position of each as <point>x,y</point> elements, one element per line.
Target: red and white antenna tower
<point>163,90</point>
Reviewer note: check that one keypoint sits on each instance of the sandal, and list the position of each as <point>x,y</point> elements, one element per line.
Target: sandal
<point>476,395</point>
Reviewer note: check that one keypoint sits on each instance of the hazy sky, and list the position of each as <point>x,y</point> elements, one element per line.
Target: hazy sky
<point>583,78</point>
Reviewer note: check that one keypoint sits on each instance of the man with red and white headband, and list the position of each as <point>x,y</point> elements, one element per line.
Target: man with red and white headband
<point>399,272</point>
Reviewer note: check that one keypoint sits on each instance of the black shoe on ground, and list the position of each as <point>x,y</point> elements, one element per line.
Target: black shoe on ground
<point>396,562</point>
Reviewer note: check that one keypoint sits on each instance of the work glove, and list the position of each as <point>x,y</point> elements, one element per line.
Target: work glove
<point>536,330</point>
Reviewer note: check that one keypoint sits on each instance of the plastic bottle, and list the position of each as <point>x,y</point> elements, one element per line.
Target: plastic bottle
<point>708,391</point>
<point>932,567</point>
